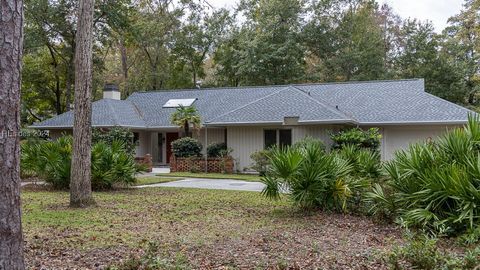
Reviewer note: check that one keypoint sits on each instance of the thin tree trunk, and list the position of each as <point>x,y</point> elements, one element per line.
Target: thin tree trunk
<point>11,42</point>
<point>186,129</point>
<point>80,182</point>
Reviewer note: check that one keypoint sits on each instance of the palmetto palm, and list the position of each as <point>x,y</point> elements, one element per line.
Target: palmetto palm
<point>311,177</point>
<point>184,117</point>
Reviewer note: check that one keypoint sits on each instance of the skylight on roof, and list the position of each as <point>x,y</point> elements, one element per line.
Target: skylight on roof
<point>175,103</point>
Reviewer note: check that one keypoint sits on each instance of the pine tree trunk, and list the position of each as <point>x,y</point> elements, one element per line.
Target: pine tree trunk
<point>80,182</point>
<point>11,40</point>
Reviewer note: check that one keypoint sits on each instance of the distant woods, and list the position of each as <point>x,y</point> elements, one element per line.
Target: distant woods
<point>144,45</point>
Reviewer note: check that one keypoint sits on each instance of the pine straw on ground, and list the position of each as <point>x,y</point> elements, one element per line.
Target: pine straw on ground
<point>206,229</point>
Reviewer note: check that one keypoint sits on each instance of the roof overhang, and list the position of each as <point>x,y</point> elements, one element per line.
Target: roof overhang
<point>414,123</point>
<point>95,126</point>
<point>272,123</point>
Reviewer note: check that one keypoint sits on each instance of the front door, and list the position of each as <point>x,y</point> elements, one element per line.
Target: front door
<point>171,136</point>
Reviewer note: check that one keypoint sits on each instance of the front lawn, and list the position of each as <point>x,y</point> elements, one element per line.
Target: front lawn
<point>244,177</point>
<point>150,180</point>
<point>201,229</point>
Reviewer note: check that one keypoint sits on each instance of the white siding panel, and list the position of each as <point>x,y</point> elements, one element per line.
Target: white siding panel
<point>145,144</point>
<point>244,141</point>
<point>400,137</point>
<point>215,135</point>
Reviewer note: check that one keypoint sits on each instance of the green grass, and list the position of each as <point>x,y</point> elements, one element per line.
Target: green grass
<point>244,177</point>
<point>149,180</point>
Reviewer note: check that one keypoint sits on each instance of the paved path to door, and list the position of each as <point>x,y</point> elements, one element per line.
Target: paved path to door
<point>224,184</point>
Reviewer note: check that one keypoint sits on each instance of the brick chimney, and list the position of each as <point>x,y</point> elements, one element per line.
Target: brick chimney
<point>111,91</point>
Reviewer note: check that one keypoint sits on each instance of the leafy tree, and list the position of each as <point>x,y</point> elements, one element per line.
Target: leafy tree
<point>270,51</point>
<point>196,39</point>
<point>420,56</point>
<point>184,117</point>
<point>462,44</point>
<point>347,40</point>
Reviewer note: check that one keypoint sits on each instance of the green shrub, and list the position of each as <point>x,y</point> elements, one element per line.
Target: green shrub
<point>111,164</point>
<point>365,162</point>
<point>51,160</point>
<point>312,177</point>
<point>260,161</point>
<point>422,252</point>
<point>121,134</point>
<point>187,147</point>
<point>216,149</point>
<point>305,142</point>
<point>360,138</point>
<point>436,186</point>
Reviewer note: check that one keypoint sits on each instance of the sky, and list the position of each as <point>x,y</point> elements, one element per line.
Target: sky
<point>436,11</point>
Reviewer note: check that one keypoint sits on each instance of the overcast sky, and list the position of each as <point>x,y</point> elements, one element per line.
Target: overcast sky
<point>437,11</point>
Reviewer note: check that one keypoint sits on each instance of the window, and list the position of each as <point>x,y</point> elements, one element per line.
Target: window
<point>175,103</point>
<point>280,137</point>
<point>285,137</point>
<point>270,137</point>
<point>136,138</point>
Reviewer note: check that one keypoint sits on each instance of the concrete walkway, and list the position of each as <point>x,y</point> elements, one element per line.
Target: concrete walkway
<point>223,184</point>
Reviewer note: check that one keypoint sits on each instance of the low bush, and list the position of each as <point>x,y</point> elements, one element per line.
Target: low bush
<point>365,162</point>
<point>216,149</point>
<point>435,186</point>
<point>422,252</point>
<point>121,134</point>
<point>111,164</point>
<point>187,147</point>
<point>369,139</point>
<point>51,160</point>
<point>260,161</point>
<point>309,141</point>
<point>313,178</point>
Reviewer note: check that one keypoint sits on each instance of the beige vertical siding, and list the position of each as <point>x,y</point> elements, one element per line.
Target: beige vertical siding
<point>400,137</point>
<point>145,144</point>
<point>215,135</point>
<point>317,131</point>
<point>246,140</point>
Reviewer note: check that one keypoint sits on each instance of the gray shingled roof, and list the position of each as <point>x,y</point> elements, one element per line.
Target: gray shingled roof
<point>105,113</point>
<point>373,102</point>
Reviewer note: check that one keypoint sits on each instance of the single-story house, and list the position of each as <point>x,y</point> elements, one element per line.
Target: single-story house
<point>249,119</point>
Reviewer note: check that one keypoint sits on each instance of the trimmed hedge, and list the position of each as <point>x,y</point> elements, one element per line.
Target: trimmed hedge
<point>187,147</point>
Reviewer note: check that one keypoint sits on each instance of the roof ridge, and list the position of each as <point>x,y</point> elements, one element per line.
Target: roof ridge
<point>272,86</point>
<point>249,103</point>
<point>329,107</point>
<point>138,111</point>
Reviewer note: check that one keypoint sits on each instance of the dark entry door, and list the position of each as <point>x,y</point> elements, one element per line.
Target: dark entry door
<point>171,136</point>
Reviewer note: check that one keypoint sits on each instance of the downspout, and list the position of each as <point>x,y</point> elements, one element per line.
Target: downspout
<point>206,152</point>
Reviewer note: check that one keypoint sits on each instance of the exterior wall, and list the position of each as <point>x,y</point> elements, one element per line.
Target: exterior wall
<point>318,132</point>
<point>144,144</point>
<point>245,140</point>
<point>57,133</point>
<point>215,135</point>
<point>400,137</point>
